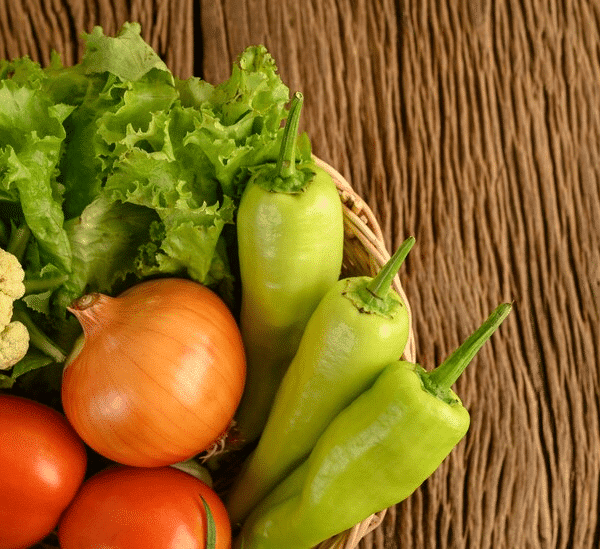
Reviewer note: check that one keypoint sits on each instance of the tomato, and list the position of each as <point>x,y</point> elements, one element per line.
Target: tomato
<point>42,465</point>
<point>124,507</point>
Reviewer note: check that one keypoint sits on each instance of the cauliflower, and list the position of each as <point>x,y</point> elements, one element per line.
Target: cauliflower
<point>6,309</point>
<point>14,344</point>
<point>11,276</point>
<point>14,337</point>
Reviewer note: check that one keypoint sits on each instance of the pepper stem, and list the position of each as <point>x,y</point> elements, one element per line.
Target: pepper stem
<point>382,282</point>
<point>445,375</point>
<point>286,162</point>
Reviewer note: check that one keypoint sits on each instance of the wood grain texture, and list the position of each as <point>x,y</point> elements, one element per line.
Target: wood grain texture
<point>475,127</point>
<point>36,27</point>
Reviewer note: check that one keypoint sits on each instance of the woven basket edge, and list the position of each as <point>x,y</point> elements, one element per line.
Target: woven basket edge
<point>365,227</point>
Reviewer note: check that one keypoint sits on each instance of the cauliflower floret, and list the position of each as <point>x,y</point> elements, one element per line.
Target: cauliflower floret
<point>14,344</point>
<point>14,337</point>
<point>11,276</point>
<point>6,309</point>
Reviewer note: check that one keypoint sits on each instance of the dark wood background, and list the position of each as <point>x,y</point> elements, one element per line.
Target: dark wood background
<point>474,126</point>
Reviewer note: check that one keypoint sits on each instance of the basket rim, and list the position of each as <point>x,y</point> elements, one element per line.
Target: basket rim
<point>361,223</point>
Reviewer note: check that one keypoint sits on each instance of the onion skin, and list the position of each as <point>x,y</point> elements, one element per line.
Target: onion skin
<point>158,374</point>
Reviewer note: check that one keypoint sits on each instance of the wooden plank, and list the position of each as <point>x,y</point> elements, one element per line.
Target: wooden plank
<point>475,127</point>
<point>36,27</point>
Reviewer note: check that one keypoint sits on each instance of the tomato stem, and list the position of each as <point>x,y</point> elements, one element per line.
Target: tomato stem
<point>211,527</point>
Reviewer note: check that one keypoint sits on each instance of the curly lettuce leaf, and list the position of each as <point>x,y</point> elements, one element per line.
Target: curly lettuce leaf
<point>127,83</point>
<point>105,240</point>
<point>110,111</point>
<point>127,55</point>
<point>191,218</point>
<point>31,141</point>
<point>254,90</point>
<point>80,166</point>
<point>240,119</point>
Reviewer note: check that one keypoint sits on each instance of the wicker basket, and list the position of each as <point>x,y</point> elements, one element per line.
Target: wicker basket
<point>364,254</point>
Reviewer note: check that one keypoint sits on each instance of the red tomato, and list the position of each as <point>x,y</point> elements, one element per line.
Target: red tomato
<point>126,507</point>
<point>42,465</point>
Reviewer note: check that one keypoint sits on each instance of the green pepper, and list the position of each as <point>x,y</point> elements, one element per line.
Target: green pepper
<point>373,455</point>
<point>359,326</point>
<point>290,230</point>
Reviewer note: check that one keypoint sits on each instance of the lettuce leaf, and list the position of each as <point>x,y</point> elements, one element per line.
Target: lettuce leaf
<point>241,118</point>
<point>105,239</point>
<point>127,55</point>
<point>31,140</point>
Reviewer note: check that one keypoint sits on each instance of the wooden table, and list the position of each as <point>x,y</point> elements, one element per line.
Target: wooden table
<point>475,127</point>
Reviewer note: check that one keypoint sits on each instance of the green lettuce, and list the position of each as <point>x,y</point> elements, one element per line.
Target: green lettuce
<point>31,138</point>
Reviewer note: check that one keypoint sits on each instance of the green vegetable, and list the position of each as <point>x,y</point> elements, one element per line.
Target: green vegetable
<point>37,337</point>
<point>290,231</point>
<point>113,170</point>
<point>359,326</point>
<point>373,455</point>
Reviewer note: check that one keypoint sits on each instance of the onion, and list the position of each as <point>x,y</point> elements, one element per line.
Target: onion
<point>157,374</point>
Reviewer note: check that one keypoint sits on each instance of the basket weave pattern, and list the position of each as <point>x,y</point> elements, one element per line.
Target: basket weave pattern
<point>364,254</point>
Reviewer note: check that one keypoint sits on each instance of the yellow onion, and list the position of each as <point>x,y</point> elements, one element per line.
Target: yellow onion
<point>157,375</point>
